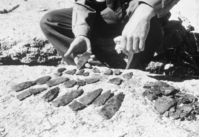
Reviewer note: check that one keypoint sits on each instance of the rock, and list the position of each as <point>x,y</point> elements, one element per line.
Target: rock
<point>58,74</point>
<point>61,70</point>
<point>128,75</point>
<point>86,74</point>
<point>51,94</point>
<point>168,90</point>
<point>71,72</point>
<point>42,80</point>
<point>186,108</point>
<point>67,98</point>
<point>82,59</point>
<point>80,72</point>
<point>101,100</point>
<point>92,80</point>
<point>176,114</point>
<point>75,105</point>
<point>151,96</point>
<point>117,72</point>
<point>163,104</point>
<point>22,86</point>
<point>96,70</point>
<point>81,82</point>
<point>56,81</point>
<point>116,81</point>
<point>188,98</point>
<point>90,97</point>
<point>24,95</point>
<point>70,83</point>
<point>108,72</point>
<point>36,91</point>
<point>191,117</point>
<point>112,106</point>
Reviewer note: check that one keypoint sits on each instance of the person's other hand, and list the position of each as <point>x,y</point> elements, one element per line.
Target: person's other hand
<point>136,30</point>
<point>80,45</point>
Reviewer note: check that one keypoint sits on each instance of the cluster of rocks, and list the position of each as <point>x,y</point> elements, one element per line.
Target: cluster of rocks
<point>76,98</point>
<point>171,102</point>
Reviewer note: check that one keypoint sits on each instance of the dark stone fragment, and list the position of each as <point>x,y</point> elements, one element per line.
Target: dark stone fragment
<point>92,80</point>
<point>51,94</point>
<point>151,96</point>
<point>112,106</point>
<point>168,90</point>
<point>24,95</point>
<point>186,108</point>
<point>56,81</point>
<point>117,72</point>
<point>80,72</point>
<point>42,80</point>
<point>71,72</point>
<point>96,70</point>
<point>163,104</point>
<point>81,82</point>
<point>70,83</point>
<point>75,105</point>
<point>156,85</point>
<point>108,72</point>
<point>145,93</point>
<point>86,74</point>
<point>61,70</point>
<point>36,91</point>
<point>24,85</point>
<point>58,74</point>
<point>128,75</point>
<point>82,59</point>
<point>188,99</point>
<point>90,97</point>
<point>116,81</point>
<point>176,114</point>
<point>67,98</point>
<point>191,117</point>
<point>101,100</point>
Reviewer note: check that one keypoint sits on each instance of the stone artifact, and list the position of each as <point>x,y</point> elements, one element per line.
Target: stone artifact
<point>81,82</point>
<point>80,72</point>
<point>116,81</point>
<point>117,72</point>
<point>56,81</point>
<point>112,106</point>
<point>70,83</point>
<point>42,80</point>
<point>71,72</point>
<point>163,104</point>
<point>36,91</point>
<point>82,59</point>
<point>128,75</point>
<point>67,98</point>
<point>24,95</point>
<point>22,86</point>
<point>58,74</point>
<point>86,74</point>
<point>108,72</point>
<point>90,97</point>
<point>51,94</point>
<point>92,80</point>
<point>101,100</point>
<point>96,70</point>
<point>75,105</point>
<point>61,70</point>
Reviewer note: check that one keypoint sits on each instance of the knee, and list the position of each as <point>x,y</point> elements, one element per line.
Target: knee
<point>44,22</point>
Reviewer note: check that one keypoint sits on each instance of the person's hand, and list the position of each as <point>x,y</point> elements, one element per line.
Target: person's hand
<point>80,45</point>
<point>136,30</point>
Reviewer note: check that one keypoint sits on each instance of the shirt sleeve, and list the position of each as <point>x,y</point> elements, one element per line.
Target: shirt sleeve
<point>161,7</point>
<point>83,16</point>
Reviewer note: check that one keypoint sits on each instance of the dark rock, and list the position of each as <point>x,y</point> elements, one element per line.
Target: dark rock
<point>67,98</point>
<point>186,108</point>
<point>101,100</point>
<point>42,80</point>
<point>86,74</point>
<point>58,74</point>
<point>22,86</point>
<point>116,81</point>
<point>51,94</point>
<point>151,96</point>
<point>108,72</point>
<point>112,106</point>
<point>70,83</point>
<point>24,95</point>
<point>71,72</point>
<point>56,81</point>
<point>163,104</point>
<point>191,117</point>
<point>82,59</point>
<point>176,114</point>
<point>80,72</point>
<point>61,70</point>
<point>92,80</point>
<point>128,75</point>
<point>117,72</point>
<point>90,97</point>
<point>81,82</point>
<point>168,90</point>
<point>96,70</point>
<point>188,98</point>
<point>36,91</point>
<point>75,105</point>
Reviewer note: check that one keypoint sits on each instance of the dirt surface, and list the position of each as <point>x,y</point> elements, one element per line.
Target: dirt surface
<point>35,118</point>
